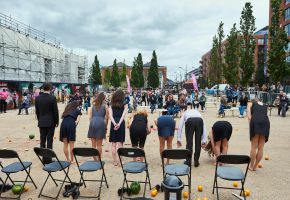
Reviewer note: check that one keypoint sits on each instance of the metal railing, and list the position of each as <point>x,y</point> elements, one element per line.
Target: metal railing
<point>15,25</point>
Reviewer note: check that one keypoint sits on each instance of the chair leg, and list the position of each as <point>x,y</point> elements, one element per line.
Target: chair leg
<point>28,174</point>
<point>147,172</point>
<point>217,190</point>
<point>4,183</point>
<point>105,178</point>
<point>66,176</point>
<point>189,186</point>
<point>213,184</point>
<point>100,188</point>
<point>22,190</point>
<point>82,178</point>
<point>122,191</point>
<point>40,193</point>
<point>145,185</point>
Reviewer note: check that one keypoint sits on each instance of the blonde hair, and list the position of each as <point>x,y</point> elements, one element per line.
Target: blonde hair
<point>142,112</point>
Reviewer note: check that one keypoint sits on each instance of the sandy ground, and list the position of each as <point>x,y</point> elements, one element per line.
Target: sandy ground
<point>269,182</point>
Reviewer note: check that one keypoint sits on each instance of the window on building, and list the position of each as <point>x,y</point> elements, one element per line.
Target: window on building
<point>287,1</point>
<point>287,13</point>
<point>260,41</point>
<point>287,29</point>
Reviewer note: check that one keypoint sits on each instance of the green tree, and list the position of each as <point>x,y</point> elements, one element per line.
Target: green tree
<point>153,77</point>
<point>260,77</point>
<point>247,26</point>
<point>107,76</point>
<point>95,75</point>
<point>277,65</point>
<point>135,74</point>
<point>115,78</point>
<point>231,66</point>
<point>219,66</point>
<point>123,73</point>
<point>213,61</point>
<point>140,70</point>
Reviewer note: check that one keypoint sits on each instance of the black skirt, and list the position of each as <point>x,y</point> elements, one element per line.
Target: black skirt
<point>222,130</point>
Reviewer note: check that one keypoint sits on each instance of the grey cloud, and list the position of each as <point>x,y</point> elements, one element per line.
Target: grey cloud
<point>180,31</point>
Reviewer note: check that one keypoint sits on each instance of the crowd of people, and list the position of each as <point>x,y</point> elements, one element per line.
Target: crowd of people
<point>107,113</point>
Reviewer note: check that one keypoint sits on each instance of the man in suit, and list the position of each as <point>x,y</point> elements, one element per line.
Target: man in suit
<point>47,116</point>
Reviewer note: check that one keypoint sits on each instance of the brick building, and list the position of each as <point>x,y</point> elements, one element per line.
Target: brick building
<point>261,40</point>
<point>161,69</point>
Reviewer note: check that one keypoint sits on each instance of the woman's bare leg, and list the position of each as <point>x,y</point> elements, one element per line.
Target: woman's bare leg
<point>161,145</point>
<point>169,145</point>
<point>94,145</point>
<point>65,149</point>
<point>259,156</point>
<point>71,147</point>
<point>225,146</point>
<point>119,145</point>
<point>114,153</point>
<point>99,146</point>
<point>253,153</point>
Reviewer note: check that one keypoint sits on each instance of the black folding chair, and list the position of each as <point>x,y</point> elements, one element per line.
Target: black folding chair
<point>177,169</point>
<point>55,166</point>
<point>14,168</point>
<point>133,167</point>
<point>90,166</point>
<point>229,172</point>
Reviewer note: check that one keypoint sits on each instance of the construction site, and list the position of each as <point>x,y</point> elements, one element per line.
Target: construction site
<point>30,56</point>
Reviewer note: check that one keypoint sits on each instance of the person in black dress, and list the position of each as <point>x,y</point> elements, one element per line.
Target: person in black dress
<point>139,129</point>
<point>259,131</point>
<point>71,118</point>
<point>219,137</point>
<point>117,111</point>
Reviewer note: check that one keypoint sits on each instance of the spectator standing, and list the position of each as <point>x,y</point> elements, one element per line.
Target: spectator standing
<point>47,115</point>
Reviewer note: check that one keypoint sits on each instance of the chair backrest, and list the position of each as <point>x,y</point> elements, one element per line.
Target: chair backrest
<point>44,152</point>
<point>5,153</point>
<point>176,154</point>
<point>86,152</point>
<point>234,159</point>
<point>131,152</point>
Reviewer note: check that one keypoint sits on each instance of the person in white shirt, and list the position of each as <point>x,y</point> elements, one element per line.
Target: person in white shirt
<point>193,125</point>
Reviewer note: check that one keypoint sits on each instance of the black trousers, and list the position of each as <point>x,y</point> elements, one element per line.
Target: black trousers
<point>46,140</point>
<point>193,126</point>
<point>3,106</point>
<point>202,104</point>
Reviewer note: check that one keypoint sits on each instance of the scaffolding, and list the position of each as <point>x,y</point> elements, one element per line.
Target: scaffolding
<point>27,54</point>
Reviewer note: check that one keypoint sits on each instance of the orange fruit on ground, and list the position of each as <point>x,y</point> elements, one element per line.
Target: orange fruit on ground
<point>235,184</point>
<point>26,188</point>
<point>185,195</point>
<point>199,188</point>
<point>266,157</point>
<point>154,193</point>
<point>247,193</point>
<point>198,199</point>
<point>205,198</point>
<point>260,165</point>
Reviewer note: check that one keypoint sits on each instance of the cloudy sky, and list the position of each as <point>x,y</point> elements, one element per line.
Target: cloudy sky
<point>180,31</point>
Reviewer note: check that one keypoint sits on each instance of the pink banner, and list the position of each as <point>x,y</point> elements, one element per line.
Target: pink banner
<point>128,83</point>
<point>194,82</point>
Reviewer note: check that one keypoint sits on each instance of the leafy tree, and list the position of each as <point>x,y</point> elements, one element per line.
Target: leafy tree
<point>107,76</point>
<point>260,77</point>
<point>95,76</point>
<point>123,73</point>
<point>115,78</point>
<point>231,67</point>
<point>135,74</point>
<point>247,26</point>
<point>153,77</point>
<point>213,61</point>
<point>277,65</point>
<point>140,70</point>
<point>219,66</point>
